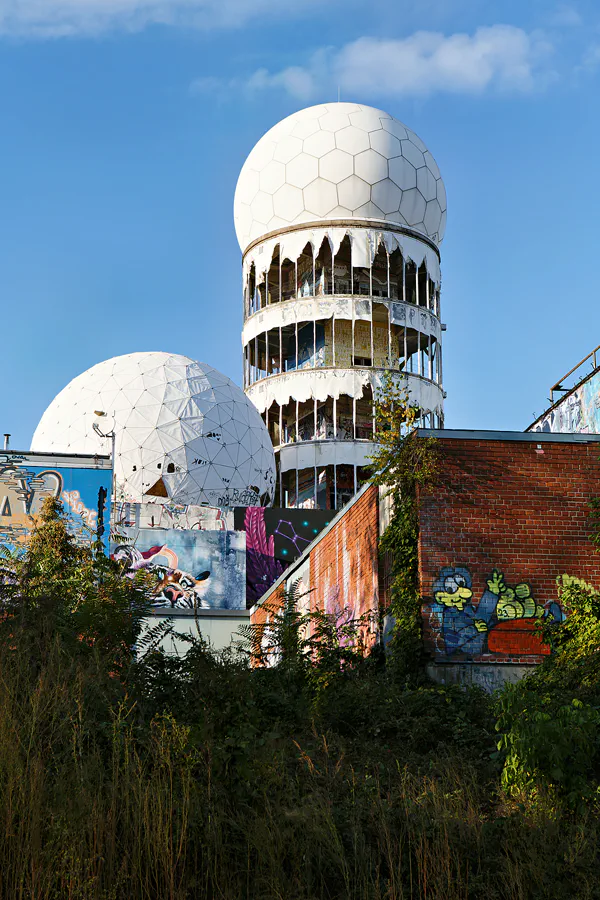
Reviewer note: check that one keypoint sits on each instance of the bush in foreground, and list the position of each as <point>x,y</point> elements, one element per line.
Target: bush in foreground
<point>146,776</point>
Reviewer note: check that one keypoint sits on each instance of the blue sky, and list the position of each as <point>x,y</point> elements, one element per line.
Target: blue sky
<point>125,124</point>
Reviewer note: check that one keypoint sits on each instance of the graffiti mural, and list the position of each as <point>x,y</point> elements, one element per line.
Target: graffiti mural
<point>173,515</point>
<point>502,622</point>
<point>190,569</point>
<point>577,413</point>
<point>25,484</point>
<point>274,539</point>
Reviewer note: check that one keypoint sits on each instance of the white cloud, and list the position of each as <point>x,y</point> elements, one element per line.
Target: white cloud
<point>56,18</point>
<point>499,57</point>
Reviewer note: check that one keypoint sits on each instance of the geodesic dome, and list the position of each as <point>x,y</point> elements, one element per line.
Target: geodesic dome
<point>339,160</point>
<point>184,433</point>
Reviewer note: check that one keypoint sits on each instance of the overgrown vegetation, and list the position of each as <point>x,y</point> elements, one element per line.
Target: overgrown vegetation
<point>327,774</point>
<point>405,467</point>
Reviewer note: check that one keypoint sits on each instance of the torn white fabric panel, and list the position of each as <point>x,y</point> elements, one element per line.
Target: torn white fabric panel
<point>306,455</point>
<point>364,242</point>
<point>336,236</point>
<point>360,248</point>
<point>316,384</point>
<point>321,384</point>
<point>423,393</point>
<point>320,308</point>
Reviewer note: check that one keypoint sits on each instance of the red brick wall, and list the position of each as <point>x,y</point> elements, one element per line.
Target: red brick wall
<point>343,565</point>
<point>506,506</point>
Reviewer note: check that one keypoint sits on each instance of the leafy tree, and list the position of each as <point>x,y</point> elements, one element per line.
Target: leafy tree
<point>67,594</point>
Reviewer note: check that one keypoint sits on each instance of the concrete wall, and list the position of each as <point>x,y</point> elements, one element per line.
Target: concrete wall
<point>218,627</point>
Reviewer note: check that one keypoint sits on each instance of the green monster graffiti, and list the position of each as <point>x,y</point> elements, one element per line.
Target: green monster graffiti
<point>503,621</point>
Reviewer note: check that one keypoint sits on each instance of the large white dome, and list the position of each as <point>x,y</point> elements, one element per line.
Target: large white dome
<point>184,432</point>
<point>339,160</point>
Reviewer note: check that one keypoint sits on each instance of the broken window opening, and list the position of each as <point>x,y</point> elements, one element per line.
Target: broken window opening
<point>252,289</point>
<point>288,279</point>
<point>325,424</point>
<point>412,350</point>
<point>399,347</point>
<point>345,418</point>
<point>396,275</point>
<point>288,343</point>
<point>379,273</point>
<point>342,269</point>
<point>422,284</point>
<point>364,415</point>
<point>274,293</point>
<point>323,267</point>
<point>411,282</point>
<point>306,421</point>
<point>306,286</point>
<point>361,281</point>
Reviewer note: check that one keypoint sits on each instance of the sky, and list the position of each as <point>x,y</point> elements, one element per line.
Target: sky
<point>125,124</point>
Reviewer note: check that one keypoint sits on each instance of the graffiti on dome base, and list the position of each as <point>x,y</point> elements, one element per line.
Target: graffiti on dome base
<point>502,623</point>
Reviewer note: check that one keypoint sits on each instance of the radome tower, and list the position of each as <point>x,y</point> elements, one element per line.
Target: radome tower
<point>339,212</point>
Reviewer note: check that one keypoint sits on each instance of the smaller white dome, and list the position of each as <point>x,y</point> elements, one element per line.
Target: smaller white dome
<point>184,433</point>
<point>339,160</point>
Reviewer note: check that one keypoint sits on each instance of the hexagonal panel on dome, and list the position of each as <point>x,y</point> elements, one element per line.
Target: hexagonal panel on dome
<point>334,121</point>
<point>302,170</point>
<point>336,165</point>
<point>353,140</point>
<point>426,183</point>
<point>272,177</point>
<point>288,202</point>
<point>353,192</point>
<point>287,149</point>
<point>320,197</point>
<point>371,166</point>
<point>187,432</point>
<point>319,144</point>
<point>385,144</point>
<point>402,172</point>
<point>325,146</point>
<point>386,195</point>
<point>412,206</point>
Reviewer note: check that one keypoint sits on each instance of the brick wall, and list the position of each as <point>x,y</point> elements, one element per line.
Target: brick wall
<point>511,507</point>
<point>341,571</point>
<point>344,564</point>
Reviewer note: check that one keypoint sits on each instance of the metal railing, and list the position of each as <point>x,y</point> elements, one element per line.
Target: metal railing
<point>558,386</point>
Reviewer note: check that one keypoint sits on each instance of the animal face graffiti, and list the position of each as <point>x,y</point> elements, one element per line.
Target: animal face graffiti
<point>180,590</point>
<point>186,569</point>
<point>173,588</point>
<point>454,589</point>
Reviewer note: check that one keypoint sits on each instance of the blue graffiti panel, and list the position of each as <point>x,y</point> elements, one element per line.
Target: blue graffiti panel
<point>188,570</point>
<point>83,491</point>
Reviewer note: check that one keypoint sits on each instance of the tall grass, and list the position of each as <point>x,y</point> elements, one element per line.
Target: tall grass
<point>235,805</point>
<point>326,777</point>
